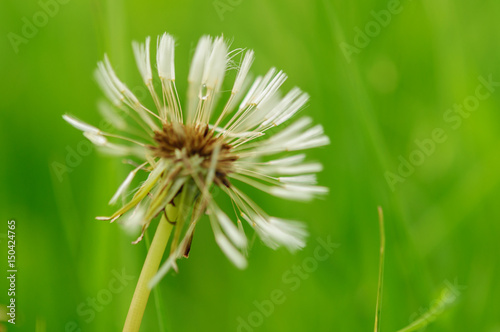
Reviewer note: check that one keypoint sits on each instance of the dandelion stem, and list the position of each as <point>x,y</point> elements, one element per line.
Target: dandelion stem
<point>151,264</point>
<point>156,294</point>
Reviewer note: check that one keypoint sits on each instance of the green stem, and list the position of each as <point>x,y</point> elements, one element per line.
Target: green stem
<point>156,294</point>
<point>378,308</point>
<point>151,264</point>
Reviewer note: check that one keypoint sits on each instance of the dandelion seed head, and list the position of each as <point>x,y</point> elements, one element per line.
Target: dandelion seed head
<point>186,146</point>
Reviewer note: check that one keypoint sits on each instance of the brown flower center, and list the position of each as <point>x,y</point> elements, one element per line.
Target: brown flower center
<point>191,141</point>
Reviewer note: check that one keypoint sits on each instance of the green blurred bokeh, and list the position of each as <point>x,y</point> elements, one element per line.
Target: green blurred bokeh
<point>442,221</point>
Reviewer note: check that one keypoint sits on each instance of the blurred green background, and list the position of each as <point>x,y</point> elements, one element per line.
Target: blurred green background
<point>442,221</point>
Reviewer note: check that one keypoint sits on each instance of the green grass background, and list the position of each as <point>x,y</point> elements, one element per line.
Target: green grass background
<point>442,222</point>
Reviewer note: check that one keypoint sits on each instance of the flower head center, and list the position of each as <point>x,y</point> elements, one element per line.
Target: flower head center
<point>188,141</point>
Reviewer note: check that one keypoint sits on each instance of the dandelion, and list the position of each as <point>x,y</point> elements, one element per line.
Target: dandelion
<point>215,139</point>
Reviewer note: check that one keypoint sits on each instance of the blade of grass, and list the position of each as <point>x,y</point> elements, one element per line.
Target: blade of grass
<point>446,298</point>
<point>380,270</point>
